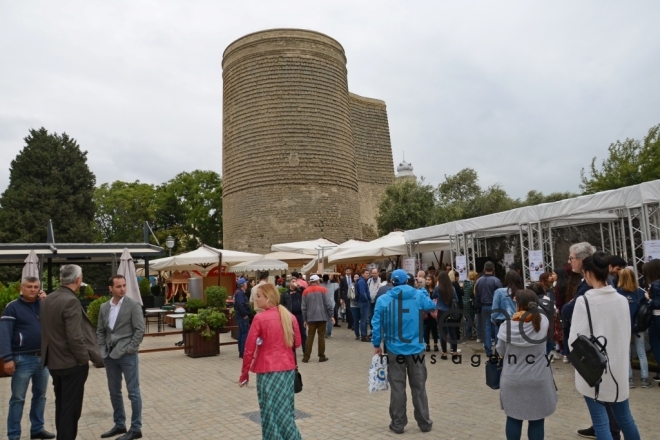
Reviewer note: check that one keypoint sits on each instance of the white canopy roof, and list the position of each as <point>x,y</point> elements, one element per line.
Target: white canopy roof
<point>262,264</point>
<point>594,208</point>
<point>202,259</point>
<point>312,265</point>
<point>304,247</point>
<point>392,244</point>
<point>127,269</point>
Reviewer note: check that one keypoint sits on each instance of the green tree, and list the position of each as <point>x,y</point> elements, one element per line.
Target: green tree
<point>406,205</point>
<point>628,163</point>
<point>537,197</point>
<point>48,179</point>
<point>190,209</point>
<point>121,210</point>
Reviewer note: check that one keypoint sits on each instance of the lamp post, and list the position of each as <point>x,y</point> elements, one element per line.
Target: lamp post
<point>169,242</point>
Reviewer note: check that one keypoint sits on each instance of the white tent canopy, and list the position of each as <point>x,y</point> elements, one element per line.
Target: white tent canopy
<point>312,265</point>
<point>127,269</point>
<point>257,265</point>
<point>390,245</point>
<point>311,247</point>
<point>202,259</point>
<point>570,211</point>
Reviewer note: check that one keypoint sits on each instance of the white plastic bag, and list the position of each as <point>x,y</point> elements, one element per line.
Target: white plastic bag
<point>378,374</point>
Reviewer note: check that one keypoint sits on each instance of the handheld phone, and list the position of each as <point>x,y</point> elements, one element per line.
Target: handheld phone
<point>244,383</point>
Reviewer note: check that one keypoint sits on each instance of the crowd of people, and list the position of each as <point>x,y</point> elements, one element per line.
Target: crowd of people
<point>402,315</point>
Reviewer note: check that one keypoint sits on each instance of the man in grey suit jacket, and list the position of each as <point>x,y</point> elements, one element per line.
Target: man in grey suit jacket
<point>120,332</point>
<point>68,343</point>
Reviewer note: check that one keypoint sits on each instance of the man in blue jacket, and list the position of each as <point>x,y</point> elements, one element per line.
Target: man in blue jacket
<point>364,301</point>
<point>397,320</point>
<point>243,313</point>
<point>20,348</point>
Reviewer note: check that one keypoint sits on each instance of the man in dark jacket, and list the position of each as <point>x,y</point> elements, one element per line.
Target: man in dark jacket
<point>243,314</point>
<point>20,348</point>
<point>68,343</point>
<point>344,283</point>
<point>485,288</point>
<point>364,301</point>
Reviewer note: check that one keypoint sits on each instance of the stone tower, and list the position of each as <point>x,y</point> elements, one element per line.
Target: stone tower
<point>289,169</point>
<point>373,153</point>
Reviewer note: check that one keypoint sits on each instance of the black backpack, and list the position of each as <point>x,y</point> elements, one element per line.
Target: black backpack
<point>643,317</point>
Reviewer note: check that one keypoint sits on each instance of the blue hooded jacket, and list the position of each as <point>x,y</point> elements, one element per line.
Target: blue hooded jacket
<point>403,302</point>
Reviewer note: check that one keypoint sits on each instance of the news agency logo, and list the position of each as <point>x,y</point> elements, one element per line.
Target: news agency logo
<point>393,316</point>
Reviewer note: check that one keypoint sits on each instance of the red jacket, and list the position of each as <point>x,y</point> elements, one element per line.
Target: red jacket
<point>273,354</point>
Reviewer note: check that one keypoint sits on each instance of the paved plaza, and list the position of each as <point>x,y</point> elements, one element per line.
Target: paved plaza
<point>187,398</point>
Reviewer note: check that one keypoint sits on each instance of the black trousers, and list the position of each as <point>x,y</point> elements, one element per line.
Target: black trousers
<point>349,315</point>
<point>69,385</point>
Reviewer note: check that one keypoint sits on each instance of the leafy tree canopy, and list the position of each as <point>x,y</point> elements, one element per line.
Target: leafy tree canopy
<point>48,179</point>
<point>406,205</point>
<point>628,163</point>
<point>121,210</point>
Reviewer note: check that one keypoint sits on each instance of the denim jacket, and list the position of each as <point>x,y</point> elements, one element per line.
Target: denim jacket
<point>502,300</point>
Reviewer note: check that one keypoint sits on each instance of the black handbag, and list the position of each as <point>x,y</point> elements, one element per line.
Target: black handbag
<point>493,373</point>
<point>297,381</point>
<point>589,357</point>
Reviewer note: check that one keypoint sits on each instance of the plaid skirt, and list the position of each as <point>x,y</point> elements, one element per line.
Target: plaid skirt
<point>276,403</point>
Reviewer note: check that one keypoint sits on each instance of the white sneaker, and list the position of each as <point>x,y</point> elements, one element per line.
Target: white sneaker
<point>552,357</point>
<point>565,360</point>
<point>478,340</point>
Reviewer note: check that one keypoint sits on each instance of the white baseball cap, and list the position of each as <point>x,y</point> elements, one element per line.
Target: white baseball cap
<point>314,278</point>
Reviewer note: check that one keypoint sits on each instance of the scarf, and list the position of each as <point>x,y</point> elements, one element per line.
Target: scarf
<point>518,315</point>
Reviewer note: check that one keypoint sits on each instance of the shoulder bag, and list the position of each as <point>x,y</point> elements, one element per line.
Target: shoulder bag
<point>589,356</point>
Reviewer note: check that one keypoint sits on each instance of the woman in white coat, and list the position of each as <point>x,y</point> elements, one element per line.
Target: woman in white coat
<point>610,318</point>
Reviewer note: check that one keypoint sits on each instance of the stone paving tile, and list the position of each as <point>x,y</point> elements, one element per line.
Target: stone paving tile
<point>199,398</point>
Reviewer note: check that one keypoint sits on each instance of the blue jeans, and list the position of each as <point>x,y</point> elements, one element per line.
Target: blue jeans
<point>27,368</point>
<point>355,311</point>
<point>128,364</point>
<point>328,331</point>
<point>243,329</point>
<point>641,354</point>
<point>489,331</point>
<point>622,415</point>
<point>654,337</point>
<point>365,317</point>
<point>535,429</point>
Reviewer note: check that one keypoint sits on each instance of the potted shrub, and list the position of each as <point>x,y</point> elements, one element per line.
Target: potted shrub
<point>159,298</point>
<point>193,305</point>
<point>93,309</point>
<point>216,298</point>
<point>7,295</point>
<point>145,293</point>
<point>200,332</point>
<point>86,295</point>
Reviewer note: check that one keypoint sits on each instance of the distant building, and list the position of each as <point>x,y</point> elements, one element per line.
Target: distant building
<point>405,171</point>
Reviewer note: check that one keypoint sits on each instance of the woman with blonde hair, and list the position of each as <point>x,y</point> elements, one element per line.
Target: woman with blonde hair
<point>269,352</point>
<point>629,288</point>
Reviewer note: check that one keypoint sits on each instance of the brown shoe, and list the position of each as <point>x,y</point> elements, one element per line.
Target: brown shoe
<point>323,359</point>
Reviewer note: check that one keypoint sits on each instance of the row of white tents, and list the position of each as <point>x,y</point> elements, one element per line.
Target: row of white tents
<point>310,255</point>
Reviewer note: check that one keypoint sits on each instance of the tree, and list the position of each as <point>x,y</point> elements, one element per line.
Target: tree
<point>535,197</point>
<point>405,205</point>
<point>628,163</point>
<point>48,179</point>
<point>190,208</point>
<point>121,210</point>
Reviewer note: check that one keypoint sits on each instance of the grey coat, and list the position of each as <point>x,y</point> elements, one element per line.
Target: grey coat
<point>127,334</point>
<point>527,387</point>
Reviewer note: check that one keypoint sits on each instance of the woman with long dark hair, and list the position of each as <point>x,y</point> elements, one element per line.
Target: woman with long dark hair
<point>430,323</point>
<point>527,389</point>
<point>444,295</point>
<point>652,280</point>
<point>610,322</point>
<point>559,289</point>
<point>504,298</point>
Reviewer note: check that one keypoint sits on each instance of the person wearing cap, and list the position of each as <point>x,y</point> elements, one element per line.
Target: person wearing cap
<point>396,322</point>
<point>317,309</point>
<point>243,314</point>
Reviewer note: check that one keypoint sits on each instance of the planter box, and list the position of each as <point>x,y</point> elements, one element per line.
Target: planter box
<point>229,320</point>
<point>148,302</point>
<point>197,346</point>
<point>159,301</point>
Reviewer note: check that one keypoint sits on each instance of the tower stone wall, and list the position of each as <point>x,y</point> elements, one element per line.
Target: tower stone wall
<point>298,149</point>
<point>373,153</point>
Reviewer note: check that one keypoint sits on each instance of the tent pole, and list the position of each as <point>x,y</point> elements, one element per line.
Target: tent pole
<point>632,243</point>
<point>602,238</point>
<point>615,251</point>
<point>525,267</point>
<point>622,236</point>
<point>219,267</point>
<point>552,252</point>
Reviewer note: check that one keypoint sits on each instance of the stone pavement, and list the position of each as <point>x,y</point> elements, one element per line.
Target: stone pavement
<point>199,398</point>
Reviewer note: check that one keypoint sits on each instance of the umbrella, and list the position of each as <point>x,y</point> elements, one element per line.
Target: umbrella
<point>127,269</point>
<point>291,258</point>
<point>390,245</point>
<point>312,265</point>
<point>304,247</point>
<point>202,259</point>
<point>31,268</point>
<point>263,264</point>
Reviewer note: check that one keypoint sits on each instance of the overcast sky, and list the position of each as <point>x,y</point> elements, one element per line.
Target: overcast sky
<point>524,92</point>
